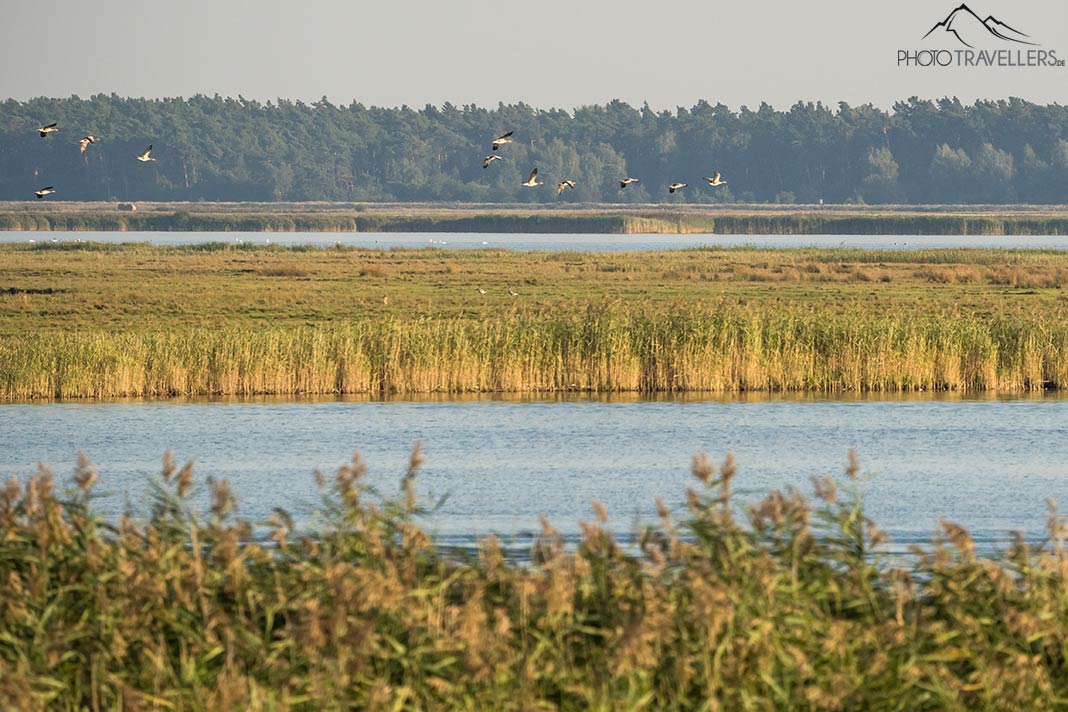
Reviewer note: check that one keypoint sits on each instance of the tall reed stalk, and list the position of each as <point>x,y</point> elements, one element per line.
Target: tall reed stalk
<point>601,350</point>
<point>787,606</point>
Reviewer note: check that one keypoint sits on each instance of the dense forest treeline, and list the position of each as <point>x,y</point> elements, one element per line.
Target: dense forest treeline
<point>215,148</point>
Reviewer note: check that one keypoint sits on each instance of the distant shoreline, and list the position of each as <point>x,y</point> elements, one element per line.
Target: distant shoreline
<point>733,219</point>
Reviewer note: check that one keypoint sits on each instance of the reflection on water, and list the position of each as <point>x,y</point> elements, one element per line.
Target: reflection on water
<point>989,464</point>
<point>550,242</point>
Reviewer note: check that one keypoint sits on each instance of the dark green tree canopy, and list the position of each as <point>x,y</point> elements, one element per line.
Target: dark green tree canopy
<point>233,149</point>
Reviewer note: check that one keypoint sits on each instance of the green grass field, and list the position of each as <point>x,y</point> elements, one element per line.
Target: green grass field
<point>85,320</point>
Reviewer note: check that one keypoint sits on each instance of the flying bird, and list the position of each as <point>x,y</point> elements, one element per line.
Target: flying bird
<point>481,290</point>
<point>512,292</point>
<point>144,156</point>
<point>675,186</point>
<point>44,191</point>
<point>501,140</point>
<point>564,185</point>
<point>84,142</point>
<point>627,181</point>
<point>488,160</point>
<point>533,180</point>
<point>715,179</point>
<point>50,128</point>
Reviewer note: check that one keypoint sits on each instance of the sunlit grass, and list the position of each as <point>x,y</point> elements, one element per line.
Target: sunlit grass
<point>135,320</point>
<point>603,352</point>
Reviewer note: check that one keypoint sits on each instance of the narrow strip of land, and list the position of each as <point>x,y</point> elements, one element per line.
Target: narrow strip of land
<point>518,218</point>
<point>91,320</point>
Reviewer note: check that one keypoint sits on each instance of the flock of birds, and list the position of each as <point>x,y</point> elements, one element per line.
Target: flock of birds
<point>533,182</point>
<point>83,143</point>
<point>503,139</point>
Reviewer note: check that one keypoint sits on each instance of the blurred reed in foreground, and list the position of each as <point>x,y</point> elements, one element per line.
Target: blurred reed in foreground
<point>788,607</point>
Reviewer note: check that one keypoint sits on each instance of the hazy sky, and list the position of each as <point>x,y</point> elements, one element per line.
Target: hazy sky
<point>548,53</point>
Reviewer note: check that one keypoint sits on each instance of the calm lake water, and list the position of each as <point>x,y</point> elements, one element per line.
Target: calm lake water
<point>989,465</point>
<point>549,242</point>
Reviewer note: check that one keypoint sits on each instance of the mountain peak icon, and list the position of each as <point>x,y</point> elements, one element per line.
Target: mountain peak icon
<point>968,27</point>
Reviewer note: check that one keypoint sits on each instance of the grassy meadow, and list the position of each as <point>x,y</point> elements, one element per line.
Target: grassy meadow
<point>789,605</point>
<point>93,320</point>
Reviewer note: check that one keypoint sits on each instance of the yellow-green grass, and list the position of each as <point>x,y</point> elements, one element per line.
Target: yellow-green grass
<point>790,606</point>
<point>137,320</point>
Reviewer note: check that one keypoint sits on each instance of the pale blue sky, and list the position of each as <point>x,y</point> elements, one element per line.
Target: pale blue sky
<point>560,53</point>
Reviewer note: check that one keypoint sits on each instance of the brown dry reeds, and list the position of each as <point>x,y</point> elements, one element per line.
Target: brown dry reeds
<point>135,320</point>
<point>601,350</point>
<point>605,218</point>
<point>788,607</point>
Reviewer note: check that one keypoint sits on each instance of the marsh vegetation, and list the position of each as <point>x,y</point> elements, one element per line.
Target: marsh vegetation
<point>735,219</point>
<point>783,604</point>
<point>81,320</point>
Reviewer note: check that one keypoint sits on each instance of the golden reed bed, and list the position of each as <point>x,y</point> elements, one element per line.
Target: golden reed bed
<point>133,320</point>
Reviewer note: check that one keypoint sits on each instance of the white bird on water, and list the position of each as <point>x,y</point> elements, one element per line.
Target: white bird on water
<point>715,179</point>
<point>627,181</point>
<point>144,156</point>
<point>84,142</point>
<point>564,185</point>
<point>44,191</point>
<point>488,160</point>
<point>501,140</point>
<point>50,128</point>
<point>675,186</point>
<point>533,180</point>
